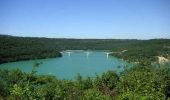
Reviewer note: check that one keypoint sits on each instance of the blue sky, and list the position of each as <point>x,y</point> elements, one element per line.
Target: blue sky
<point>124,19</point>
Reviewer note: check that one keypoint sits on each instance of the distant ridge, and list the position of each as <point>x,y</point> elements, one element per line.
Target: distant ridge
<point>6,35</point>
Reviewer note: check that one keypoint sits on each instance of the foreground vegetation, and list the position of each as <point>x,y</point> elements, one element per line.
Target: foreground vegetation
<point>141,82</point>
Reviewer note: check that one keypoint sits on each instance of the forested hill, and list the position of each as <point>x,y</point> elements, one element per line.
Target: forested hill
<point>148,50</point>
<point>18,48</point>
<point>65,44</point>
<point>21,48</point>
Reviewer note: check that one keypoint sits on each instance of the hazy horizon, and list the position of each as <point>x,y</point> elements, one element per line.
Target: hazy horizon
<point>81,38</point>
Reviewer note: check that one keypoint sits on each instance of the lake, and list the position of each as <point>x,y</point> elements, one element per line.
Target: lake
<point>71,63</point>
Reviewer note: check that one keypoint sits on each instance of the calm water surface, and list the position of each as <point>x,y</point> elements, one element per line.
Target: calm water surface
<point>68,66</point>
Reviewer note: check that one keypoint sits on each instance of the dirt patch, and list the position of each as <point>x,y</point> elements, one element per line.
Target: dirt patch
<point>162,59</point>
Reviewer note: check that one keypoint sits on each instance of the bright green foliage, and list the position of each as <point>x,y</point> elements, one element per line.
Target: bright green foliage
<point>83,84</point>
<point>141,82</point>
<point>93,94</point>
<point>17,91</point>
<point>110,79</point>
<point>107,83</point>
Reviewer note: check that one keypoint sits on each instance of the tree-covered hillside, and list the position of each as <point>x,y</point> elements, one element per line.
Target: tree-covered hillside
<point>21,48</point>
<point>15,49</point>
<point>146,50</point>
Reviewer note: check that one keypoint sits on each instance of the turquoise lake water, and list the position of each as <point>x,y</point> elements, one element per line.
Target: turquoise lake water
<point>70,64</point>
